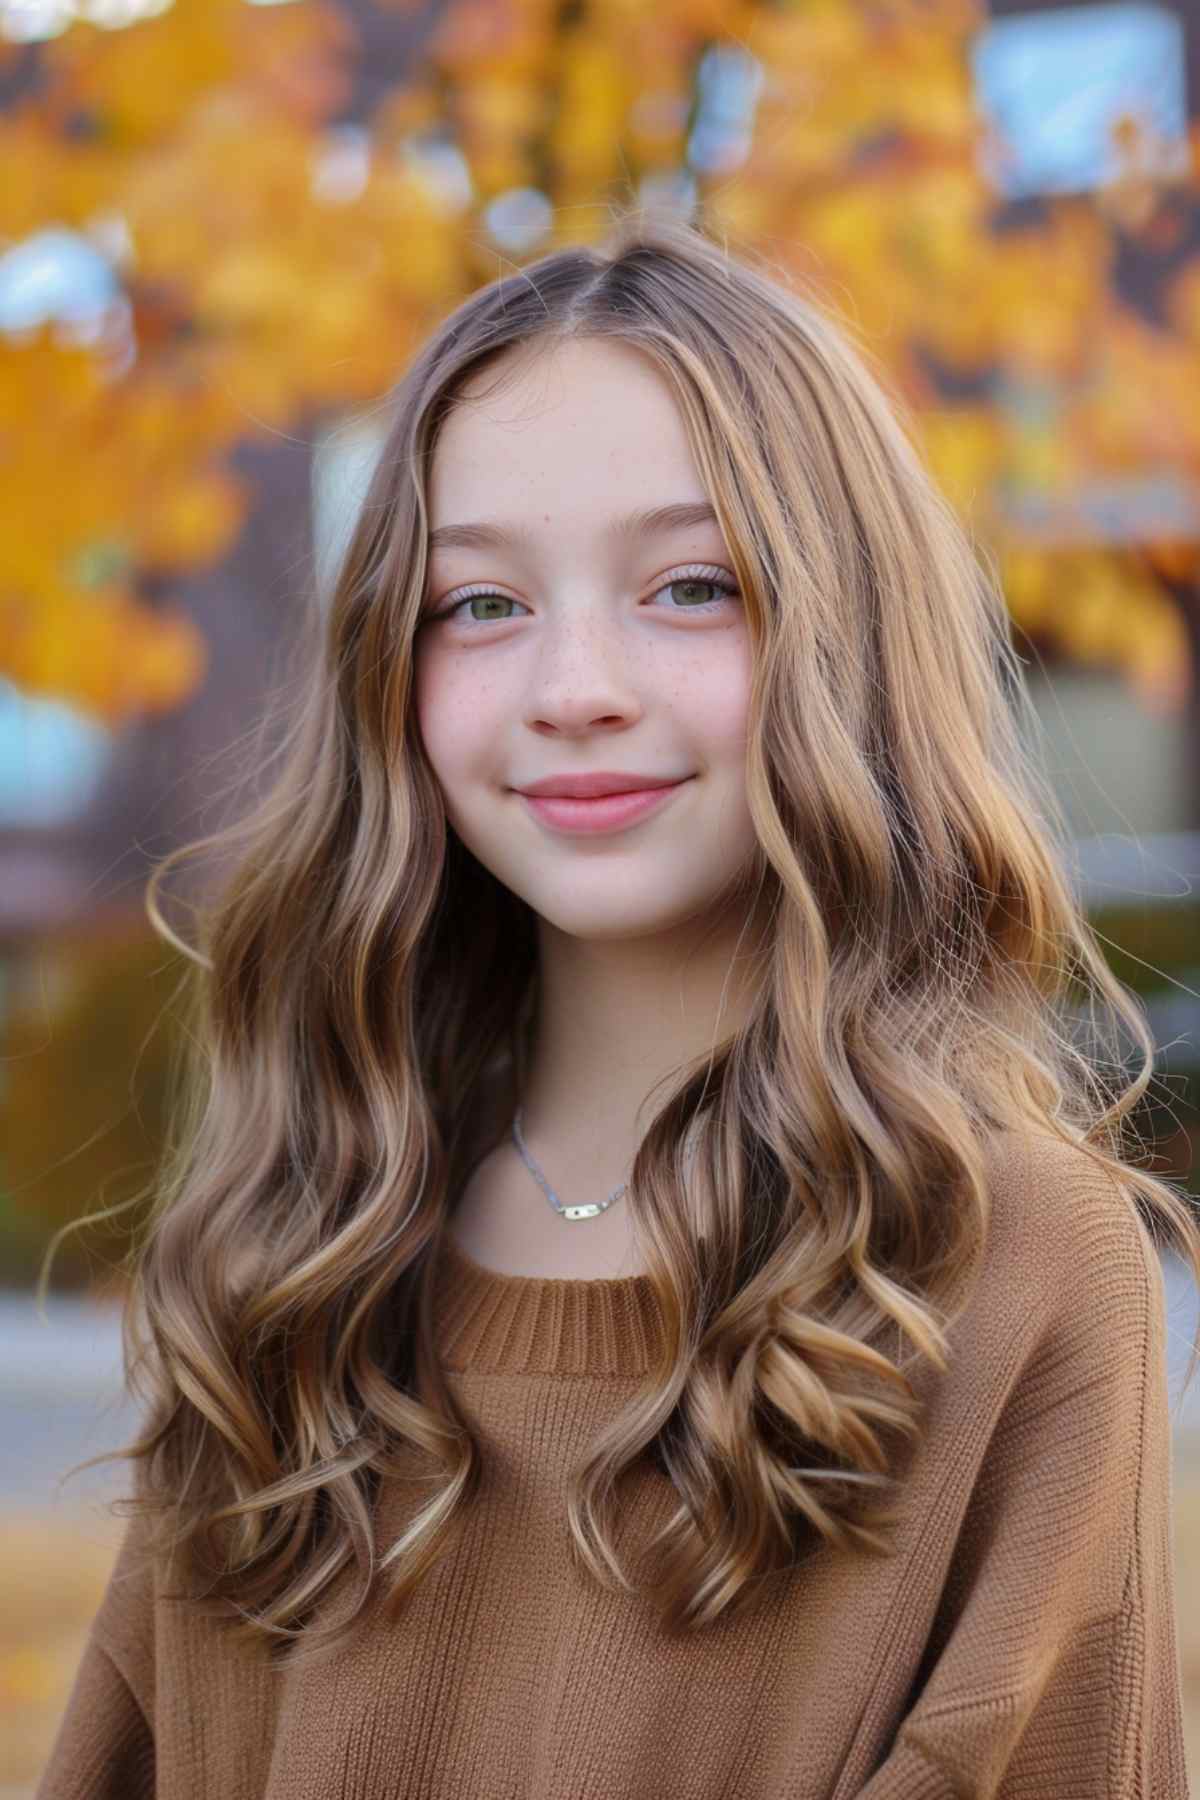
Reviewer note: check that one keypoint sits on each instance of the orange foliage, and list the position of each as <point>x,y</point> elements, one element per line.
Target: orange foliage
<point>277,268</point>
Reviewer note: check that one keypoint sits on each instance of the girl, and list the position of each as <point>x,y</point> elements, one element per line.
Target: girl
<point>802,1432</point>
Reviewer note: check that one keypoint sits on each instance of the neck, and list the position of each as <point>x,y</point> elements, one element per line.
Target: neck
<point>612,1019</point>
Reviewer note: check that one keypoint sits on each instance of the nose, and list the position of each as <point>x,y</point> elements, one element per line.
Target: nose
<point>583,678</point>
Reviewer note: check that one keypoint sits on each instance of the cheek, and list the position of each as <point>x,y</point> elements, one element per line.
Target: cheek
<point>452,715</point>
<point>713,706</point>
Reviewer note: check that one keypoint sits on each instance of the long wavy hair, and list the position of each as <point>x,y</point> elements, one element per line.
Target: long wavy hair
<point>359,1005</point>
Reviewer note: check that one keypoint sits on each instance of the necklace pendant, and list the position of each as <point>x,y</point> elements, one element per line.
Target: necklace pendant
<point>581,1212</point>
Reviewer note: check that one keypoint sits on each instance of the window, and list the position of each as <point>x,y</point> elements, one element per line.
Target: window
<point>1053,85</point>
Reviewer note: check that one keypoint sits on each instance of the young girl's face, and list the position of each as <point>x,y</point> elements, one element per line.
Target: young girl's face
<point>576,646</point>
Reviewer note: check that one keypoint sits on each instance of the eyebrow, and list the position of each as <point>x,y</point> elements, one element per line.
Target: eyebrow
<point>485,535</point>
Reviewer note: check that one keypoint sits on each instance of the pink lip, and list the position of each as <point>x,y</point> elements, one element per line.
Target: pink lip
<point>608,813</point>
<point>597,782</point>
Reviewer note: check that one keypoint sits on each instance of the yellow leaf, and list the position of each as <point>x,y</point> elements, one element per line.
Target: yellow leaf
<point>195,520</point>
<point>27,1677</point>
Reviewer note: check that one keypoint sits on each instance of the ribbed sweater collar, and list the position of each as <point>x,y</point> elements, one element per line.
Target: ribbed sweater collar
<point>540,1324</point>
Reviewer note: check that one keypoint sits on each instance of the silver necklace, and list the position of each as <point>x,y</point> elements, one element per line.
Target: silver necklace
<point>593,1207</point>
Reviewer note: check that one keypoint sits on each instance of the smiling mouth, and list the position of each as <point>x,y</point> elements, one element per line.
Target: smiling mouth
<point>603,812</point>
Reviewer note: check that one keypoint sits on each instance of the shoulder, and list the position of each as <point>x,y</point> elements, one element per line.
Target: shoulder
<point>1066,1239</point>
<point>1055,1201</point>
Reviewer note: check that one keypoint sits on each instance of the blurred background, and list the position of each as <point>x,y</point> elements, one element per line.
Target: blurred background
<point>224,227</point>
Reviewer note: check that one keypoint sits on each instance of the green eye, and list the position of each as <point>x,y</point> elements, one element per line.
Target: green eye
<point>699,577</point>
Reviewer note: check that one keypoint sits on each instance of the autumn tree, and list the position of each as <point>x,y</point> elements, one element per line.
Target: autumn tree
<point>286,211</point>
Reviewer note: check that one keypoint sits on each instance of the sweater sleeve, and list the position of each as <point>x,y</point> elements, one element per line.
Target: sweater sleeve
<point>105,1748</point>
<point>1054,1665</point>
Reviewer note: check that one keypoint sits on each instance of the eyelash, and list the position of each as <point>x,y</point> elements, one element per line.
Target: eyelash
<point>696,572</point>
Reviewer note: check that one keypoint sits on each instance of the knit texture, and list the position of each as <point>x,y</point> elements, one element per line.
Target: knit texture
<point>1020,1643</point>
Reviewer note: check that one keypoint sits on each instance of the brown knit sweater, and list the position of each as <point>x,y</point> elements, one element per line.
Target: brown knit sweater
<point>1021,1643</point>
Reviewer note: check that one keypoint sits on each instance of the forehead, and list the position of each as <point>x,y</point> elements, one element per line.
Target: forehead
<point>562,433</point>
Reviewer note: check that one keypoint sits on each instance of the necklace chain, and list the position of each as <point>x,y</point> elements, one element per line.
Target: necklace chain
<point>590,1210</point>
